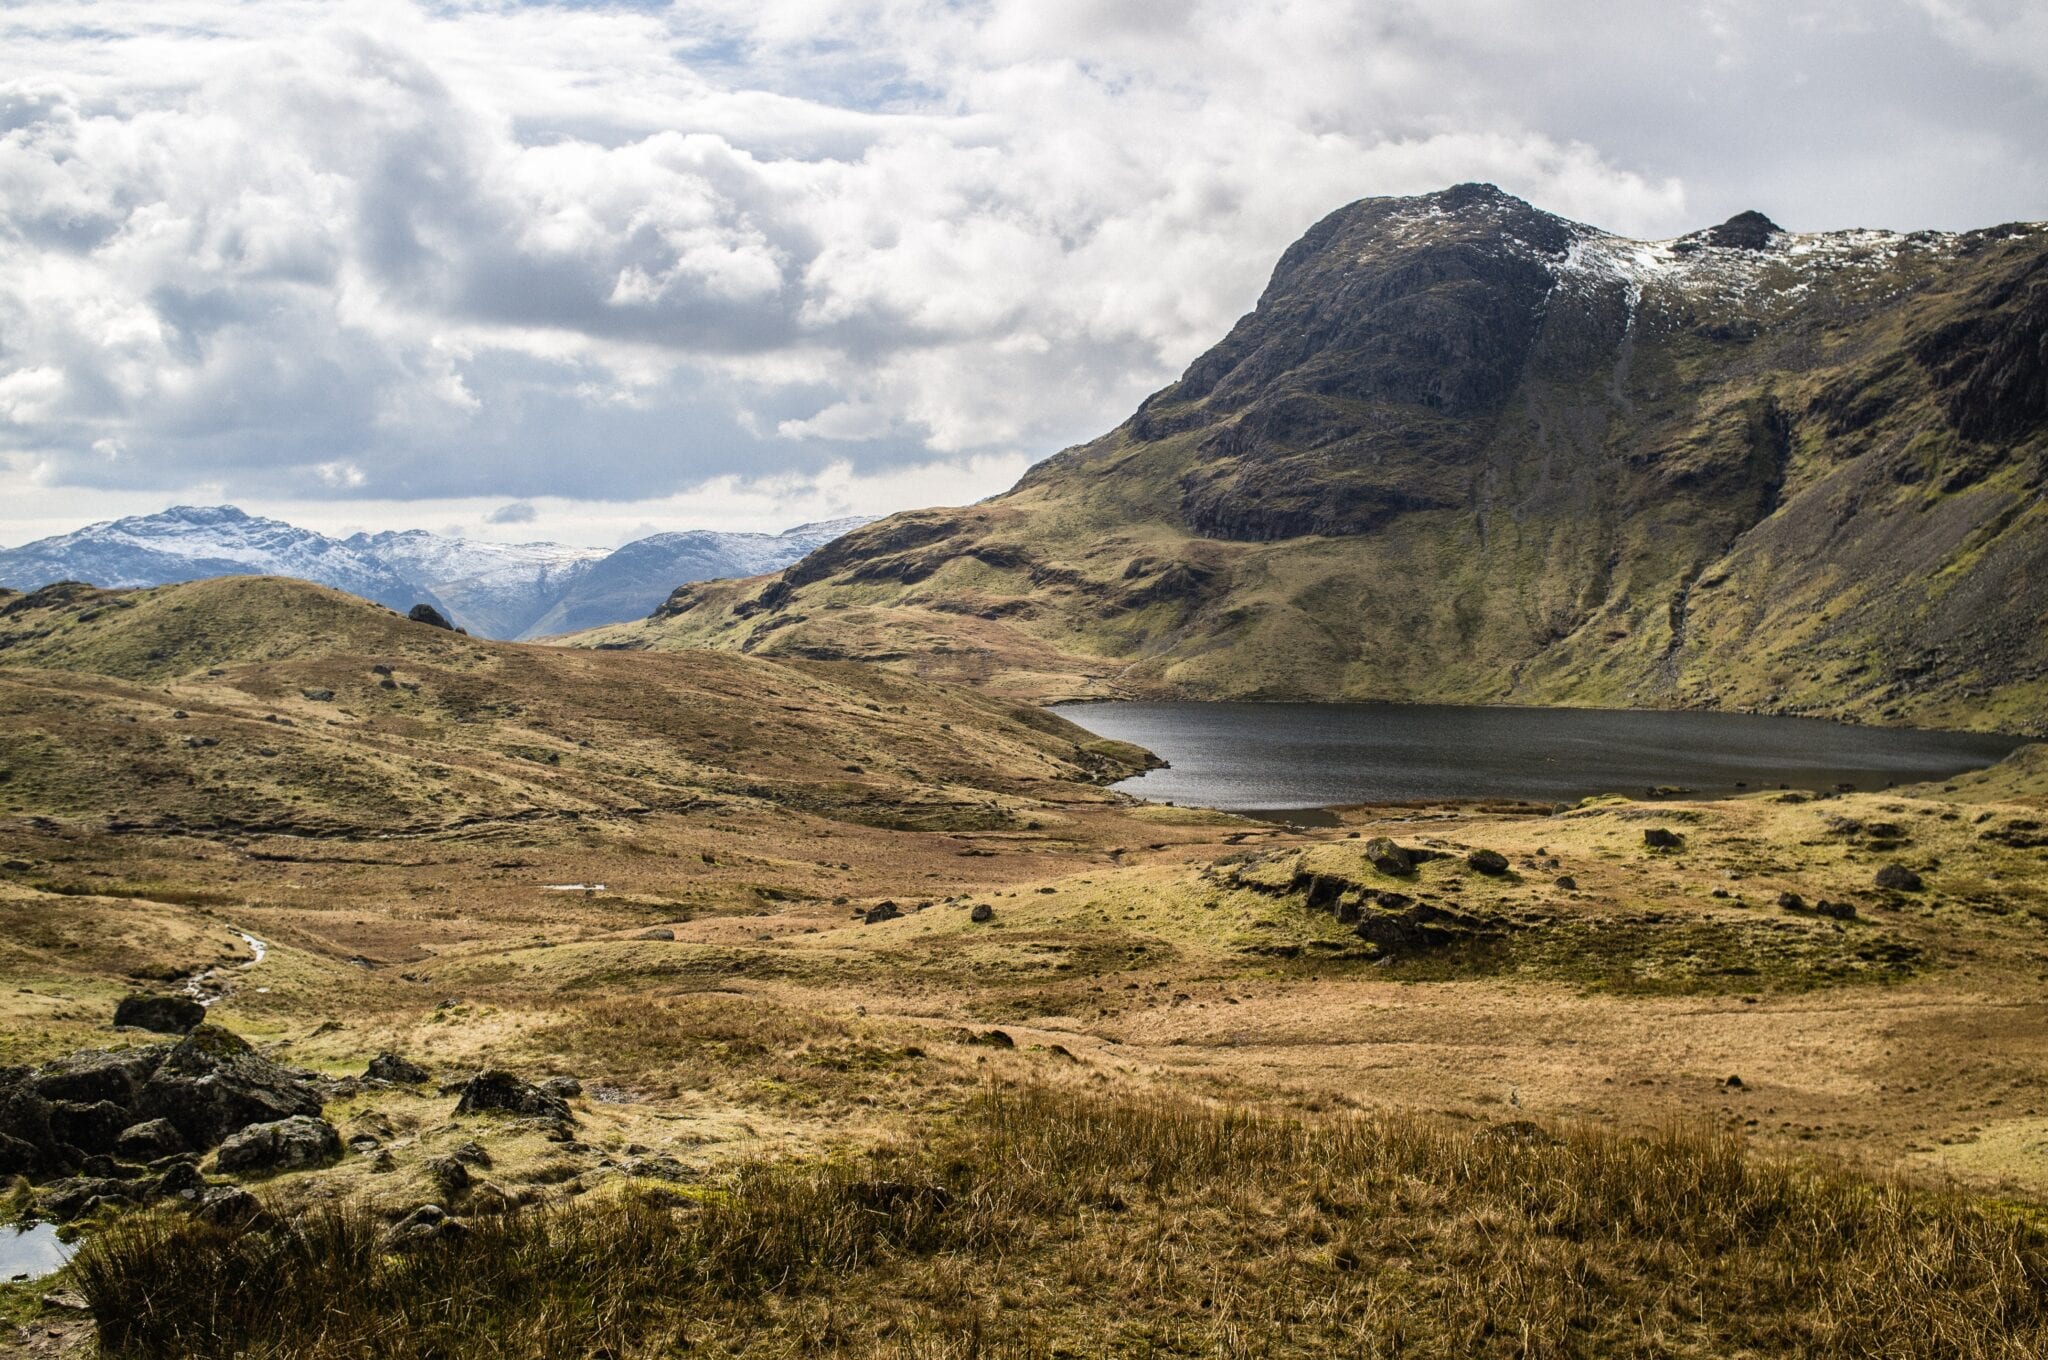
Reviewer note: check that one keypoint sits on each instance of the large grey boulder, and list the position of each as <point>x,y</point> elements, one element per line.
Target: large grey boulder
<point>213,1084</point>
<point>282,1145</point>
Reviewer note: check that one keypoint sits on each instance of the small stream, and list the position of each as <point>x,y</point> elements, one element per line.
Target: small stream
<point>206,985</point>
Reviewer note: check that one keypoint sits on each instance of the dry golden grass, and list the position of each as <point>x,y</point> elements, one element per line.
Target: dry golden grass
<point>1052,1221</point>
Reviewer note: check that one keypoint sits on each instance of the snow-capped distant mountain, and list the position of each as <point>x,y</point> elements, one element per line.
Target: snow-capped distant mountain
<point>632,581</point>
<point>496,589</point>
<point>188,542</point>
<point>500,590</point>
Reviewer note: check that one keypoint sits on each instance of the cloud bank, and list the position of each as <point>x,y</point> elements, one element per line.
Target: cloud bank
<point>501,255</point>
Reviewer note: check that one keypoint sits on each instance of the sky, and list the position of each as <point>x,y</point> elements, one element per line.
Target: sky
<point>585,271</point>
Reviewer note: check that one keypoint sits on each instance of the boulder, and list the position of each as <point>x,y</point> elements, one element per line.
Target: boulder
<point>1567,882</point>
<point>1898,878</point>
<point>160,1014</point>
<point>430,616</point>
<point>1389,858</point>
<point>982,913</point>
<point>281,1145</point>
<point>213,1084</point>
<point>883,911</point>
<point>1662,838</point>
<point>1791,901</point>
<point>449,1175</point>
<point>230,1206</point>
<point>568,1088</point>
<point>90,1126</point>
<point>150,1141</point>
<point>401,1071</point>
<point>1839,911</point>
<point>116,1074</point>
<point>1489,862</point>
<point>499,1090</point>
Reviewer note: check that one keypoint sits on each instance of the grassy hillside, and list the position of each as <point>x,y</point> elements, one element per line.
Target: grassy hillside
<point>244,704</point>
<point>1467,451</point>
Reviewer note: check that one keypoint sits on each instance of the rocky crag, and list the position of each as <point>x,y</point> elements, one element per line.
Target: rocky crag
<point>1465,450</point>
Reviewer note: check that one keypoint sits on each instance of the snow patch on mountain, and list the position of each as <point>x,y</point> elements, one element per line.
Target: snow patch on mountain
<point>501,590</point>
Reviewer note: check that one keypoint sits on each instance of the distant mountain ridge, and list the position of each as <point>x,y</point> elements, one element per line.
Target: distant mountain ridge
<point>1464,450</point>
<point>497,590</point>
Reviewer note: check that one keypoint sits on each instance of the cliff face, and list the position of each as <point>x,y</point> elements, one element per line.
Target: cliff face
<point>1467,450</point>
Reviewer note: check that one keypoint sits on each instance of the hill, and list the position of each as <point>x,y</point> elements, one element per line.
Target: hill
<point>248,703</point>
<point>1465,450</point>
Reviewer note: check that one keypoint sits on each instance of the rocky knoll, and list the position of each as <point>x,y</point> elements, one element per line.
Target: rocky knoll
<point>101,1111</point>
<point>1467,450</point>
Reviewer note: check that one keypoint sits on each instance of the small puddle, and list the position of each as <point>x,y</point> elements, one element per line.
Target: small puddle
<point>31,1251</point>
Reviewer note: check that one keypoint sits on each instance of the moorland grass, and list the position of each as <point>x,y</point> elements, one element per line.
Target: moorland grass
<point>1053,1220</point>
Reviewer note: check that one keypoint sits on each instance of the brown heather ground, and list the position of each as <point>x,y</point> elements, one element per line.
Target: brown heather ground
<point>1221,1124</point>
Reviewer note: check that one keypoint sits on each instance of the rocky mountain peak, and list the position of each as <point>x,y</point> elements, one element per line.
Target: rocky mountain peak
<point>1745,231</point>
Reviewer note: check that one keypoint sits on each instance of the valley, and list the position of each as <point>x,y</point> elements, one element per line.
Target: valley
<point>832,932</point>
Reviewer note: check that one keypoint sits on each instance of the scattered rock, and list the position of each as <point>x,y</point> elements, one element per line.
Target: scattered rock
<point>1839,911</point>
<point>500,1090</point>
<point>318,696</point>
<point>286,1145</point>
<point>450,1176</point>
<point>398,1070</point>
<point>427,1223</point>
<point>1567,882</point>
<point>982,913</point>
<point>1898,878</point>
<point>1489,862</point>
<point>1389,858</point>
<point>883,911</point>
<point>1734,1083</point>
<point>1662,838</point>
<point>1791,901</point>
<point>230,1206</point>
<point>160,1014</point>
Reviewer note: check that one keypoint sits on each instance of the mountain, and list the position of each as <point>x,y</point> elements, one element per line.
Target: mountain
<point>190,543</point>
<point>499,590</point>
<point>634,580</point>
<point>493,589</point>
<point>1465,450</point>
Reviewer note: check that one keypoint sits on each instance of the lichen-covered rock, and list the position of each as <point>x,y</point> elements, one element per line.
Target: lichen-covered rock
<point>1489,862</point>
<point>213,1084</point>
<point>500,1090</point>
<point>283,1145</point>
<point>150,1141</point>
<point>1387,857</point>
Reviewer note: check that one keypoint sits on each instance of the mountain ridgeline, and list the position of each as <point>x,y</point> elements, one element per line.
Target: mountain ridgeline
<point>498,590</point>
<point>1465,450</point>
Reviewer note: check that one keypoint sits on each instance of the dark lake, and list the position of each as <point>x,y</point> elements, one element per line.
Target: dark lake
<point>1273,757</point>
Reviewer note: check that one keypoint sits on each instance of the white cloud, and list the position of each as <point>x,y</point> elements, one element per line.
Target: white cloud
<point>407,253</point>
